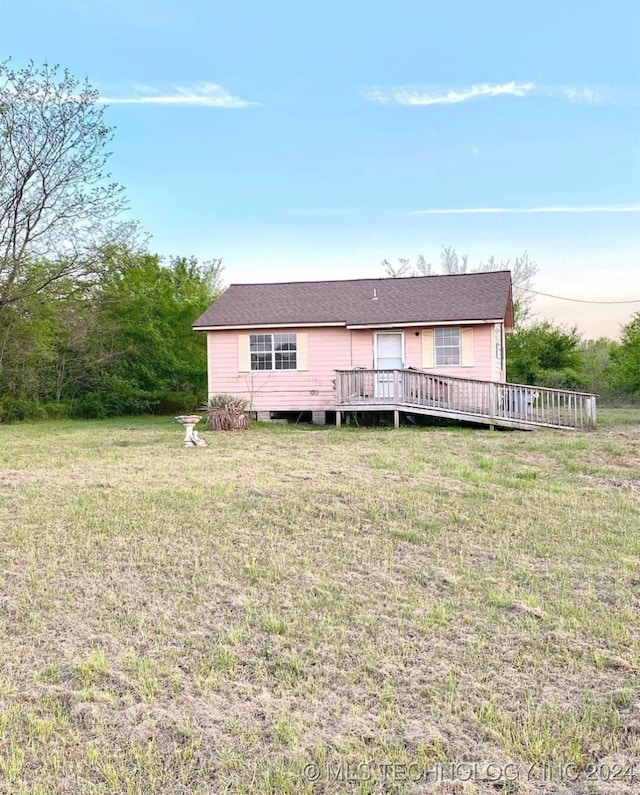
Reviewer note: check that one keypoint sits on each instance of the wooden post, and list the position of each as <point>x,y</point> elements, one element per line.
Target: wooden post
<point>338,388</point>
<point>591,411</point>
<point>338,419</point>
<point>396,419</point>
<point>493,400</point>
<point>397,389</point>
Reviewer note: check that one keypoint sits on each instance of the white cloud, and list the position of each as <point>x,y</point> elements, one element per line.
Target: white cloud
<point>438,95</point>
<point>442,96</point>
<point>145,88</point>
<point>602,208</point>
<point>211,95</point>
<point>582,96</point>
<point>596,95</point>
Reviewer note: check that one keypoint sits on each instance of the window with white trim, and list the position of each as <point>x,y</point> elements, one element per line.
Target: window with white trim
<point>273,351</point>
<point>447,346</point>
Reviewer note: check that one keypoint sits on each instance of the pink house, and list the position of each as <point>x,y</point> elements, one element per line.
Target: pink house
<point>280,346</point>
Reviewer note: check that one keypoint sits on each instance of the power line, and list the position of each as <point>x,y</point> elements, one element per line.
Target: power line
<point>580,300</point>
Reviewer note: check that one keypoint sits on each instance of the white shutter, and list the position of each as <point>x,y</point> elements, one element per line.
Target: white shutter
<point>466,345</point>
<point>427,348</point>
<point>302,351</point>
<point>244,359</point>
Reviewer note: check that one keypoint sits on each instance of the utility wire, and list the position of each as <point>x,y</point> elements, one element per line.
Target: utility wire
<point>580,300</point>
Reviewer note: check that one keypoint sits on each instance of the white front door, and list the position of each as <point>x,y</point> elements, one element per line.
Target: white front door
<point>388,355</point>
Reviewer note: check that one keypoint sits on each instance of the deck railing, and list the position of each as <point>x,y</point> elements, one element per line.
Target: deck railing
<point>512,403</point>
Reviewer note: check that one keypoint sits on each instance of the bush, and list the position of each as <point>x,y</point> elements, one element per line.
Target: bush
<point>226,413</point>
<point>625,360</point>
<point>14,408</point>
<point>561,379</point>
<point>17,408</point>
<point>115,398</point>
<point>55,411</point>
<point>546,354</point>
<point>179,402</point>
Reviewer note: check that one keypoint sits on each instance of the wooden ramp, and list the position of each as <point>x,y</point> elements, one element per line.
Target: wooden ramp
<point>466,399</point>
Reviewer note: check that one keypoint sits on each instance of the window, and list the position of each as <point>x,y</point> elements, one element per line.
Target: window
<point>273,351</point>
<point>447,346</point>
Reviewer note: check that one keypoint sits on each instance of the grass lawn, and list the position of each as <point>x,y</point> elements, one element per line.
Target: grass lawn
<point>297,610</point>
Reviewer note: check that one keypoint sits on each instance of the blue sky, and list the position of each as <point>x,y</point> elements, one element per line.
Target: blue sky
<point>301,140</point>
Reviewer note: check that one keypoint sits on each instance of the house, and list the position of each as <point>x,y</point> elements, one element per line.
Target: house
<point>281,346</point>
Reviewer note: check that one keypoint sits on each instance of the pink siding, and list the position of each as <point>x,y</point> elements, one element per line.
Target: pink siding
<point>330,349</point>
<point>281,390</point>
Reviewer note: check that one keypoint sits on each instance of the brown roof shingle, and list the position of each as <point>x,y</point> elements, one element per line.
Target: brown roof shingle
<point>428,299</point>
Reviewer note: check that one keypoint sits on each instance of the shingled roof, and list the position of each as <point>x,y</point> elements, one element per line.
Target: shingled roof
<point>363,302</point>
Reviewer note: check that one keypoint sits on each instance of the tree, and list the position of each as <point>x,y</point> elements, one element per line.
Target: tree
<point>625,359</point>
<point>546,354</point>
<point>598,355</point>
<point>405,268</point>
<point>35,350</point>
<point>523,271</point>
<point>141,353</point>
<point>57,203</point>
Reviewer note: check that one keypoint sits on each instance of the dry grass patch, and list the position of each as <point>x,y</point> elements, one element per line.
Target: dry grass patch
<point>214,619</point>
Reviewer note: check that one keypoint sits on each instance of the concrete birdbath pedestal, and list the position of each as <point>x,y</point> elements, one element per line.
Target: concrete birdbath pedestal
<point>191,438</point>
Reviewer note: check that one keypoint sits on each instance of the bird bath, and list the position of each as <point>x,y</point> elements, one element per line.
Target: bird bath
<point>191,438</point>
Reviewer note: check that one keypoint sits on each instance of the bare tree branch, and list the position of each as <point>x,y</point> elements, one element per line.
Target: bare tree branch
<point>523,272</point>
<point>57,199</point>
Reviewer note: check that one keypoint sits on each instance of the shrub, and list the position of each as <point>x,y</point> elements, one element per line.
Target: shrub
<point>14,408</point>
<point>179,402</point>
<point>226,413</point>
<point>55,411</point>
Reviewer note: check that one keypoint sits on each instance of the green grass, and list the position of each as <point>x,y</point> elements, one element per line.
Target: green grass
<point>212,620</point>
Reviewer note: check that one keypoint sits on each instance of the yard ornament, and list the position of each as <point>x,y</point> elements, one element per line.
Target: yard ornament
<point>191,438</point>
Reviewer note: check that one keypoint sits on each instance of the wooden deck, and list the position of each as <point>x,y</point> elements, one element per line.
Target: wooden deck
<point>486,402</point>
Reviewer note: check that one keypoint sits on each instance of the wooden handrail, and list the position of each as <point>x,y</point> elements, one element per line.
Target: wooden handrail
<point>434,393</point>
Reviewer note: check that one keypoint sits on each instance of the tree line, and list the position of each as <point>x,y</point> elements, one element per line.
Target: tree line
<point>121,344</point>
<point>552,355</point>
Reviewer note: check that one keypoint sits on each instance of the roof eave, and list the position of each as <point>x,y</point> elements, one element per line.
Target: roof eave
<point>350,326</point>
<point>414,324</point>
<point>245,326</point>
